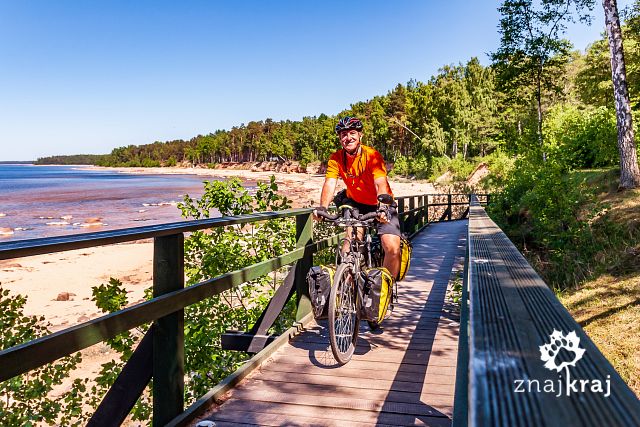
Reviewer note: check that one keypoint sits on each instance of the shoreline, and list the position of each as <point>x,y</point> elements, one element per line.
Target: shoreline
<point>300,187</point>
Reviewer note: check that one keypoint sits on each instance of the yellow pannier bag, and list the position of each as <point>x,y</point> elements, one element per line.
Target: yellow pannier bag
<point>405,257</point>
<point>376,294</point>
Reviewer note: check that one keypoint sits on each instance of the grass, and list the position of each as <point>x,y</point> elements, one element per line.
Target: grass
<point>607,304</point>
<point>608,308</point>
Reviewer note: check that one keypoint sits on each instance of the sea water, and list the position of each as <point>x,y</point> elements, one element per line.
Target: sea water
<point>45,201</point>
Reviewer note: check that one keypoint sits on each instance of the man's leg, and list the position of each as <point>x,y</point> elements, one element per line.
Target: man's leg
<point>348,236</point>
<point>391,246</point>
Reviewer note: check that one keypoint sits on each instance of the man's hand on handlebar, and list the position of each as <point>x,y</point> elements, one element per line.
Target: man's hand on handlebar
<point>383,208</point>
<point>317,212</point>
<point>383,214</point>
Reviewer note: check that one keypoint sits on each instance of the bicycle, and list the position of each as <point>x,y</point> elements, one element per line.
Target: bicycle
<point>346,293</point>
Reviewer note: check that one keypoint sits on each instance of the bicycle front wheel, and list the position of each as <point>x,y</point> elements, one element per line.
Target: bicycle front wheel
<point>344,316</point>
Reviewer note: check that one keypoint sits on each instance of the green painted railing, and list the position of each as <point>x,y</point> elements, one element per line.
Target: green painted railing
<point>166,364</point>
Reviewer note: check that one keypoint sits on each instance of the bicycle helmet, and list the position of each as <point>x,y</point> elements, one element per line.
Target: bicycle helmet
<point>348,123</point>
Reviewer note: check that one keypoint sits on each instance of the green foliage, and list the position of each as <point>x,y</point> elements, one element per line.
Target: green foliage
<point>549,216</point>
<point>222,250</point>
<point>400,167</point>
<point>593,80</point>
<point>75,159</point>
<point>455,292</point>
<point>439,166</point>
<point>109,298</point>
<point>36,397</point>
<point>461,168</point>
<point>582,138</point>
<point>501,166</point>
<point>531,60</point>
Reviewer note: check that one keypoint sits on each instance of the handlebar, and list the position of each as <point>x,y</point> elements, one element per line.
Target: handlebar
<point>368,217</point>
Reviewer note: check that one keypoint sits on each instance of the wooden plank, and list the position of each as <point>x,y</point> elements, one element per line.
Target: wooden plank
<point>371,383</point>
<point>327,415</point>
<point>270,419</point>
<point>287,369</point>
<point>354,382</point>
<point>394,402</point>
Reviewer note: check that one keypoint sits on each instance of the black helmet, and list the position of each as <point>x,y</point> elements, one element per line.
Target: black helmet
<point>348,123</point>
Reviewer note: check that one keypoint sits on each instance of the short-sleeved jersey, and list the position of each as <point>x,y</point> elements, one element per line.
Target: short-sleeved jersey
<point>358,173</point>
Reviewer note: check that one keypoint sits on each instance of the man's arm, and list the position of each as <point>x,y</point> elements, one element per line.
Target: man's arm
<point>382,187</point>
<point>328,188</point>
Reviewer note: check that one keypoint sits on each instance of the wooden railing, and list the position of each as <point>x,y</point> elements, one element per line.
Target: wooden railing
<point>160,353</point>
<point>512,324</point>
<point>418,211</point>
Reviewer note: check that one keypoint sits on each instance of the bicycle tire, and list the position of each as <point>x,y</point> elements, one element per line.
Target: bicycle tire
<point>344,314</point>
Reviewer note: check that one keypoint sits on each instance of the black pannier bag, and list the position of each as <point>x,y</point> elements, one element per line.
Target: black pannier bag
<point>377,292</point>
<point>320,280</point>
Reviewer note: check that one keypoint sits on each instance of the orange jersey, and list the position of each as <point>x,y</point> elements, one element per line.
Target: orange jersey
<point>358,173</point>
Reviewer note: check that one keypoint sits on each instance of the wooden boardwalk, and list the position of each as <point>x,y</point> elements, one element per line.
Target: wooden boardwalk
<point>402,375</point>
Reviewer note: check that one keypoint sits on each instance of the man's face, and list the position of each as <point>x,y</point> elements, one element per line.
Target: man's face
<point>350,140</point>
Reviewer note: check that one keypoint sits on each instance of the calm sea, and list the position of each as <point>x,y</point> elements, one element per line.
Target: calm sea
<point>43,201</point>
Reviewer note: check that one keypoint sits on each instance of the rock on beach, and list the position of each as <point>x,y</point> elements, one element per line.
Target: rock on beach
<point>6,231</point>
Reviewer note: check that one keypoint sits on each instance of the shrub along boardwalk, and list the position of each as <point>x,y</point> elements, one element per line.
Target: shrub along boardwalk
<point>404,375</point>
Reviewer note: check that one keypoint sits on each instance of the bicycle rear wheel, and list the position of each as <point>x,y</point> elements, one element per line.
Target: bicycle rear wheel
<point>344,314</point>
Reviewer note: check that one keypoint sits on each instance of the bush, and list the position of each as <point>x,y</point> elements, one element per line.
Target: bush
<point>149,163</point>
<point>582,138</point>
<point>461,168</point>
<point>218,251</point>
<point>439,165</point>
<point>26,399</point>
<point>549,216</point>
<point>501,166</point>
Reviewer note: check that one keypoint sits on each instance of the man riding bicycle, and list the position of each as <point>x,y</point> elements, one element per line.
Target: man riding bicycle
<point>363,171</point>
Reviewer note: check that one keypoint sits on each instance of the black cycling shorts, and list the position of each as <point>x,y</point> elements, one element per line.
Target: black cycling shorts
<point>391,227</point>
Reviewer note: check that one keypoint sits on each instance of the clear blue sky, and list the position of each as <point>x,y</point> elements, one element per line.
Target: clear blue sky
<point>88,76</point>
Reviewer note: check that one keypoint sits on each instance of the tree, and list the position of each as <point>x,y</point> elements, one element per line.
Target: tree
<point>531,48</point>
<point>629,172</point>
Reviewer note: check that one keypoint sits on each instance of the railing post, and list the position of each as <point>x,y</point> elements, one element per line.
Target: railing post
<point>401,217</point>
<point>168,331</point>
<point>412,221</point>
<point>426,208</point>
<point>304,235</point>
<point>421,211</point>
<point>449,207</point>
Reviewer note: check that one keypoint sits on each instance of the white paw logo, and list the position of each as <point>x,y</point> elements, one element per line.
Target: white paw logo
<point>570,342</point>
